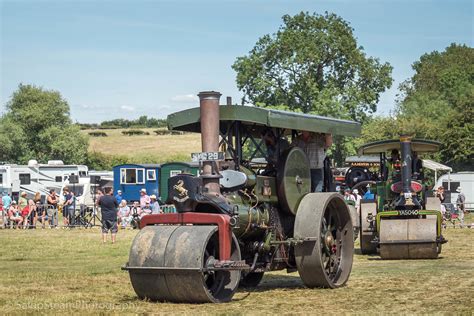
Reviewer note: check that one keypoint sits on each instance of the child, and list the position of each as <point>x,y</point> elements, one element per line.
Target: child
<point>145,210</point>
<point>14,214</point>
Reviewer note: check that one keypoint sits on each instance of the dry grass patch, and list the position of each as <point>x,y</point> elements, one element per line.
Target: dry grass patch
<point>57,271</point>
<point>146,148</point>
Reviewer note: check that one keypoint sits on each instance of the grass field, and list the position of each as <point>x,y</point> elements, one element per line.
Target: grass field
<point>57,271</point>
<point>146,148</point>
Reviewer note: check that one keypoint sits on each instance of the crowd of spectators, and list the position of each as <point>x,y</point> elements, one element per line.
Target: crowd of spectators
<point>26,213</point>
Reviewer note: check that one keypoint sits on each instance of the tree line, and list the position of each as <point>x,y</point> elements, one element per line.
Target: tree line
<point>142,121</point>
<point>312,64</point>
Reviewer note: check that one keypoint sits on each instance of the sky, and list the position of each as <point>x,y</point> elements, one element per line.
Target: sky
<point>124,59</point>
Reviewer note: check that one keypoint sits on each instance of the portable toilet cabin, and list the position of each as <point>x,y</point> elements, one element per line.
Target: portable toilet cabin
<point>131,178</point>
<point>170,170</point>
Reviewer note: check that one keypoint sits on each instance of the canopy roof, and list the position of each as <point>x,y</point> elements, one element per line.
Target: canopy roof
<point>436,166</point>
<point>418,145</point>
<point>259,118</point>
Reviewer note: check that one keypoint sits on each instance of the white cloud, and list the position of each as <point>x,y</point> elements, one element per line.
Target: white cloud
<point>88,106</point>
<point>127,108</point>
<point>185,98</point>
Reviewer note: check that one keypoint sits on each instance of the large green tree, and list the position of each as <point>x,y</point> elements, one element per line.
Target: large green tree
<point>37,126</point>
<point>437,102</point>
<point>313,63</point>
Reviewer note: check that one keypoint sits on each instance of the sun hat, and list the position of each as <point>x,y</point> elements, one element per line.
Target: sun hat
<point>153,196</point>
<point>143,190</point>
<point>23,193</point>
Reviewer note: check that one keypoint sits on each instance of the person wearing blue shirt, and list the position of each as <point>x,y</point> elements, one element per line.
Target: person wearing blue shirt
<point>368,195</point>
<point>6,201</point>
<point>119,197</point>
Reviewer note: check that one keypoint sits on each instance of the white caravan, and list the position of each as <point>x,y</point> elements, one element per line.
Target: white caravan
<point>452,181</point>
<point>36,177</point>
<point>5,179</point>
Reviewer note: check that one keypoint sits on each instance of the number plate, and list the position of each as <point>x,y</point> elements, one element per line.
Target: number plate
<point>207,156</point>
<point>408,212</point>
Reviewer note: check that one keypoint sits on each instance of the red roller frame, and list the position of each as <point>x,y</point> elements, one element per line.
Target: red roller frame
<point>222,221</point>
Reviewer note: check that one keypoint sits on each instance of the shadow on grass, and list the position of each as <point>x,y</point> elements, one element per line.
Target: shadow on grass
<point>270,282</point>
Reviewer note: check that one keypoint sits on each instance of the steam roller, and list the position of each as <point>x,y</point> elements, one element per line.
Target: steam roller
<point>242,217</point>
<point>397,224</point>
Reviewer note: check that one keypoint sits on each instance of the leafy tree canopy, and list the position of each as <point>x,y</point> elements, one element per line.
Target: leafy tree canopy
<point>313,63</point>
<point>437,102</point>
<point>37,126</point>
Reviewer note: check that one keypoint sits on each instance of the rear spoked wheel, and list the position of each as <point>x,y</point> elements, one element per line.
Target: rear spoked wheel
<point>326,259</point>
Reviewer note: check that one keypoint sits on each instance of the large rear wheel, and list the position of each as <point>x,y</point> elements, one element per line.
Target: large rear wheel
<point>325,258</point>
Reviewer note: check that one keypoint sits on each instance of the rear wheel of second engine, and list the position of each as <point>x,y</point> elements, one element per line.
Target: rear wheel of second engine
<point>182,252</point>
<point>367,233</point>
<point>325,259</point>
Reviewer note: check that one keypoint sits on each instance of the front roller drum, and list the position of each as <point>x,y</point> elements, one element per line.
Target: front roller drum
<point>409,239</point>
<point>169,263</point>
<point>324,258</point>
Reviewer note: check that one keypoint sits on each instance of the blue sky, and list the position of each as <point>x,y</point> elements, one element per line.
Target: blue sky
<point>123,59</point>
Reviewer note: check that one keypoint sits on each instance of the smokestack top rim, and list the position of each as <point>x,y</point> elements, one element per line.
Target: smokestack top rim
<point>209,95</point>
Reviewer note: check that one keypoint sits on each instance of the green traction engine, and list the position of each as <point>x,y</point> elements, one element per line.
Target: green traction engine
<point>242,216</point>
<point>397,224</point>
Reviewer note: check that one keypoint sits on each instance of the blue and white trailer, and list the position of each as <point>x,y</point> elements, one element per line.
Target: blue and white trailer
<point>131,178</point>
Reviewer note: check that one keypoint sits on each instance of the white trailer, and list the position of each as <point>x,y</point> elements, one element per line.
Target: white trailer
<point>452,181</point>
<point>36,177</point>
<point>5,179</point>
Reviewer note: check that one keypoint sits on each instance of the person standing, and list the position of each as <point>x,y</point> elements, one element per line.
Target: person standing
<point>441,196</point>
<point>22,201</point>
<point>7,201</point>
<point>274,145</point>
<point>315,145</point>
<point>52,211</point>
<point>68,207</point>
<point>460,203</point>
<point>358,198</point>
<point>144,198</point>
<point>108,206</point>
<point>118,196</point>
